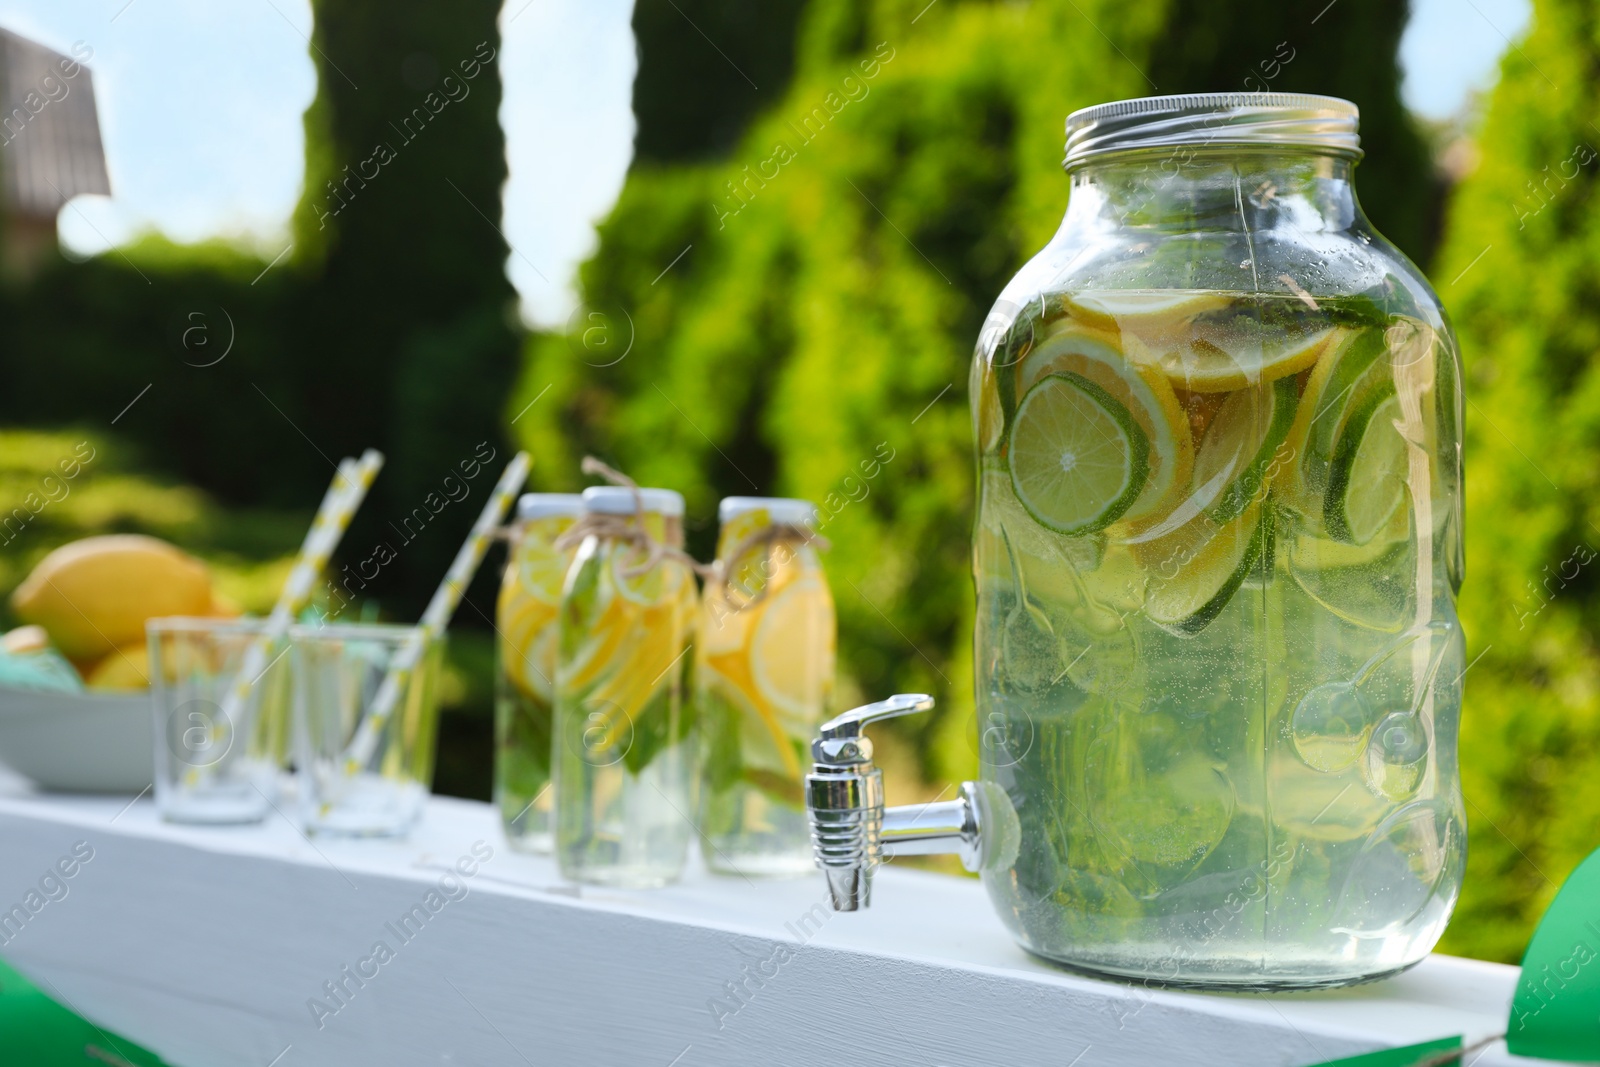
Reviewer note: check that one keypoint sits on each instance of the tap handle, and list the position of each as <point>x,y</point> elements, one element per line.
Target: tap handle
<point>840,743</point>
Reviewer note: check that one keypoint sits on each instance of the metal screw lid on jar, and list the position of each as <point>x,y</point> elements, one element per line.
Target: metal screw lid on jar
<point>545,505</point>
<point>1297,120</point>
<point>620,500</point>
<point>779,508</point>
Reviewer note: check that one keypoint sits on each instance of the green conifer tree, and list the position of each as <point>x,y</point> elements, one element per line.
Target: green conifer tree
<point>406,304</point>
<point>1520,271</point>
<point>1348,49</point>
<point>706,67</point>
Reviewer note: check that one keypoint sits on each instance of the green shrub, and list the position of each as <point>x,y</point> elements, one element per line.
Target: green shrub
<point>1520,271</point>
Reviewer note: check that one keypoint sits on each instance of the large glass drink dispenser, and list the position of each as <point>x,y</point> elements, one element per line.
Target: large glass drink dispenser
<point>1217,549</point>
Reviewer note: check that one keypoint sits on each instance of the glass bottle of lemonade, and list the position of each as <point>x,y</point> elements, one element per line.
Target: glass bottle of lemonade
<point>1217,553</point>
<point>525,666</point>
<point>764,682</point>
<point>623,752</point>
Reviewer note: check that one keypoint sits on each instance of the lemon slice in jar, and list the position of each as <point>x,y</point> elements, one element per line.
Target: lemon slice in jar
<point>1096,356</point>
<point>1149,311</point>
<point>1219,356</point>
<point>1195,571</point>
<point>1078,459</point>
<point>1244,445</point>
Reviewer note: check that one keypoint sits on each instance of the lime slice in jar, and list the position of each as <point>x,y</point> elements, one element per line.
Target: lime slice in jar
<point>1344,376</point>
<point>1367,478</point>
<point>1146,311</point>
<point>1077,457</point>
<point>1195,571</point>
<point>1223,355</point>
<point>1143,391</point>
<point>1322,554</point>
<point>1243,443</point>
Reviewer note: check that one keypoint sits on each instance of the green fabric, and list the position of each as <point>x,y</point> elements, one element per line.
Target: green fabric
<point>1409,1056</point>
<point>38,1032</point>
<point>1556,1012</point>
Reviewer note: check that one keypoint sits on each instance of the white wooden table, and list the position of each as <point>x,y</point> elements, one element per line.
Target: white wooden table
<point>213,946</point>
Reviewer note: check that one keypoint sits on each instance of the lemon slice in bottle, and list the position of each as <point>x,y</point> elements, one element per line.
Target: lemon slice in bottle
<point>528,604</point>
<point>793,639</point>
<point>1221,356</point>
<point>644,588</point>
<point>1367,478</point>
<point>725,626</point>
<point>528,637</point>
<point>1195,571</point>
<point>1144,311</point>
<point>637,668</point>
<point>1243,442</point>
<point>1144,391</point>
<point>593,609</point>
<point>1077,457</point>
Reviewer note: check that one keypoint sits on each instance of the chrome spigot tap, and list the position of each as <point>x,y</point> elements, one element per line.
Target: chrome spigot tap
<point>852,831</point>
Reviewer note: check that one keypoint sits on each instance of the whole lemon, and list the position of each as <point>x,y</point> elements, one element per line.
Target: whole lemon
<point>94,595</point>
<point>123,668</point>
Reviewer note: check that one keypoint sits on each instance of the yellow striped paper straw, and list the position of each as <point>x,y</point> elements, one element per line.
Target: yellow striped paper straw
<point>437,615</point>
<point>345,493</point>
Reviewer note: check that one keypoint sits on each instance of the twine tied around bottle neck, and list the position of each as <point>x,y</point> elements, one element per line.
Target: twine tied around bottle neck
<point>629,529</point>
<point>772,535</point>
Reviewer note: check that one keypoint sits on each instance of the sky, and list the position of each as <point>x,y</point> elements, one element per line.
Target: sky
<point>201,100</point>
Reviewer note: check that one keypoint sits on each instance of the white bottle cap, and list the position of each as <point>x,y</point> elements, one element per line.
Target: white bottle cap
<point>786,510</point>
<point>620,500</point>
<point>544,505</point>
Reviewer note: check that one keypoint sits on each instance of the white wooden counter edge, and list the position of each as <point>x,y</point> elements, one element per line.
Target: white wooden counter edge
<point>214,948</point>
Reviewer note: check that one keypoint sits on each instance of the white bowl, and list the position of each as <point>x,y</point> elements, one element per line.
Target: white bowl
<point>78,742</point>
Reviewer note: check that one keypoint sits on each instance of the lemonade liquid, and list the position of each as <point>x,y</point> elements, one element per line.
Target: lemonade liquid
<point>623,751</point>
<point>764,683</point>
<point>525,666</point>
<point>1219,665</point>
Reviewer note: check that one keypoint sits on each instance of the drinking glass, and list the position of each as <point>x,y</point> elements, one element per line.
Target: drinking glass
<point>218,748</point>
<point>375,787</point>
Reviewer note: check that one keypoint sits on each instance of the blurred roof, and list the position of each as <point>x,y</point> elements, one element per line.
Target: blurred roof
<point>50,148</point>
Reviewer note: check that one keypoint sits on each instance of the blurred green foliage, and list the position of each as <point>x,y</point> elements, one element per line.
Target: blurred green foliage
<point>406,310</point>
<point>1520,271</point>
<point>836,264</point>
<point>248,549</point>
<point>388,323</point>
